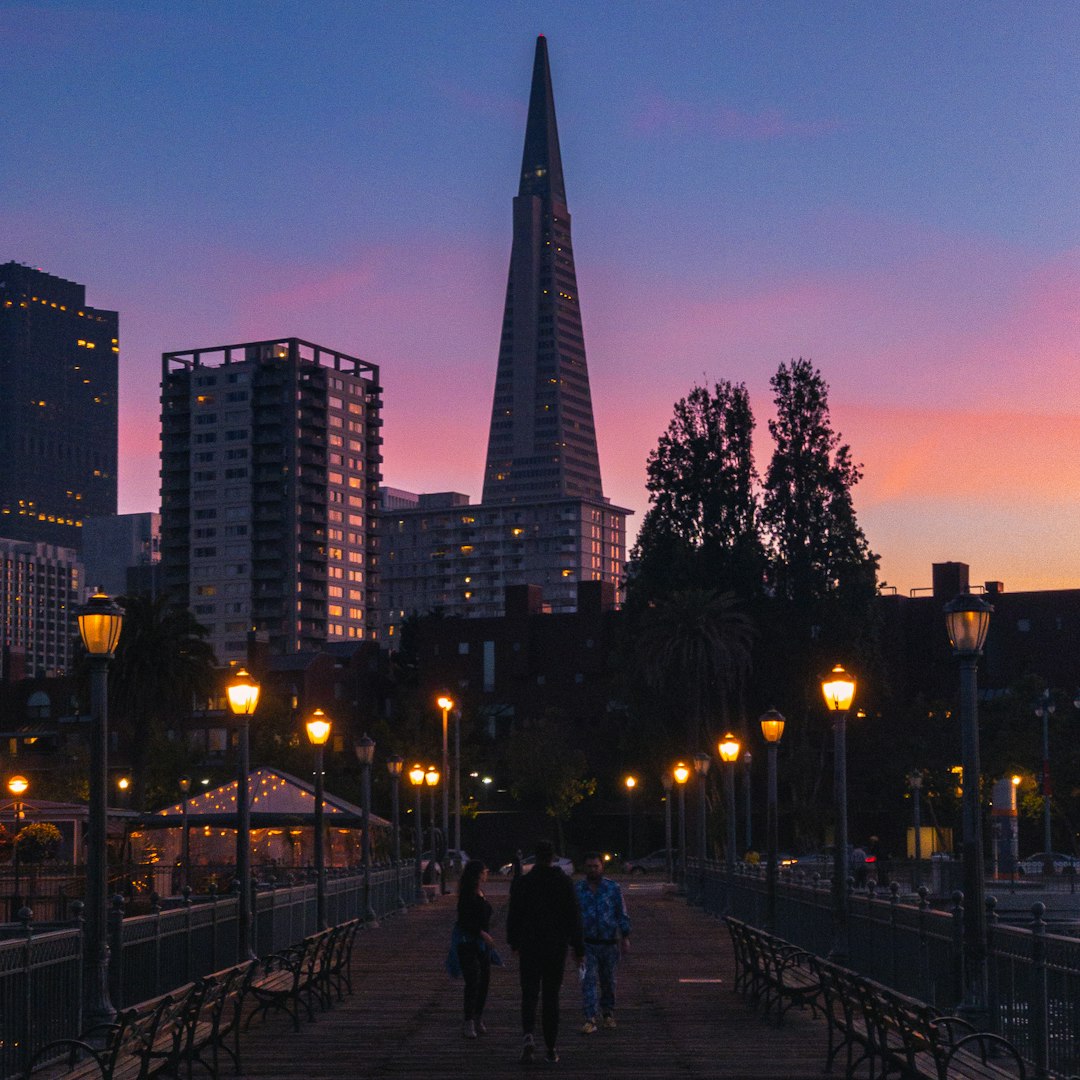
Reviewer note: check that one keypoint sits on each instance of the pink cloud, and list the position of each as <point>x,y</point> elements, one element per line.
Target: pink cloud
<point>660,115</point>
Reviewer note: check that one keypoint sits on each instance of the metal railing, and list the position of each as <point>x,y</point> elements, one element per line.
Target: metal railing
<point>1034,976</point>
<point>41,973</point>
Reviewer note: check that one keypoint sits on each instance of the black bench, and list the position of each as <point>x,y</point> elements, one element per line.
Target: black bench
<point>142,1043</point>
<point>772,972</point>
<point>872,1027</point>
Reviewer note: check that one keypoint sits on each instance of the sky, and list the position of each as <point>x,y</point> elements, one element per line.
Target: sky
<point>887,189</point>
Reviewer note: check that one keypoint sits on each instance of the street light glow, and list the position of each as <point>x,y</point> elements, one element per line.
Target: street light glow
<point>838,689</point>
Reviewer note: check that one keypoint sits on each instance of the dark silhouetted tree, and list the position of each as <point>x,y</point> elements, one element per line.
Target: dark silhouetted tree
<point>694,647</point>
<point>701,529</point>
<point>163,665</point>
<point>817,549</point>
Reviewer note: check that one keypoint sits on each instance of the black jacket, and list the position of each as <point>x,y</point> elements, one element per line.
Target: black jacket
<point>543,915</point>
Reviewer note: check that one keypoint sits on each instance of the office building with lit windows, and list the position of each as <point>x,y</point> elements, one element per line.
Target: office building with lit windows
<point>543,519</point>
<point>59,360</point>
<point>270,467</point>
<point>40,588</point>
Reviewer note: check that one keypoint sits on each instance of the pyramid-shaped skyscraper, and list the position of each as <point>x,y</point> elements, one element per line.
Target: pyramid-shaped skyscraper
<point>543,519</point>
<point>542,443</point>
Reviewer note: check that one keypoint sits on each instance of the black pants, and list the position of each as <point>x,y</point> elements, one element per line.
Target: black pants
<point>475,963</point>
<point>541,977</point>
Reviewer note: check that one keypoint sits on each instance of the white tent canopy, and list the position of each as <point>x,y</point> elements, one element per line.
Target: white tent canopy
<point>272,794</point>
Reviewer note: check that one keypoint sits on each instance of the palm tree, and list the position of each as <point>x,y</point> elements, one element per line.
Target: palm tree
<point>163,664</point>
<point>695,646</point>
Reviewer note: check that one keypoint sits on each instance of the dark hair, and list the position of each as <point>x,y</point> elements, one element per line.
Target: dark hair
<point>593,855</point>
<point>469,882</point>
<point>545,851</point>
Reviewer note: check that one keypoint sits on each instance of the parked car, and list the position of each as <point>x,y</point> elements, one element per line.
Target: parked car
<point>1036,864</point>
<point>528,861</point>
<point>657,862</point>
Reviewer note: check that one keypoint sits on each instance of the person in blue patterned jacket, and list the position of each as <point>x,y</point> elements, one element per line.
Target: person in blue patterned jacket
<point>607,936</point>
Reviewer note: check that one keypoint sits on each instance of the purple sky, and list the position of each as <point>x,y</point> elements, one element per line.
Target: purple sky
<point>887,189</point>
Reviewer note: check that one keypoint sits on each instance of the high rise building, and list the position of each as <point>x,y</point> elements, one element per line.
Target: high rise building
<point>58,407</point>
<point>543,519</point>
<point>122,554</point>
<point>542,442</point>
<point>269,485</point>
<point>40,586</point>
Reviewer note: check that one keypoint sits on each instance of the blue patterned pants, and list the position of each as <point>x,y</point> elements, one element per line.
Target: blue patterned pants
<point>600,964</point>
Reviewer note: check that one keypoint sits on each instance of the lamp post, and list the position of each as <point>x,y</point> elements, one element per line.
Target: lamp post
<point>18,786</point>
<point>772,730</point>
<point>184,783</point>
<point>702,761</point>
<point>394,766</point>
<point>416,778</point>
<point>631,783</point>
<point>1044,710</point>
<point>748,760</point>
<point>365,754</point>
<point>967,619</point>
<point>100,621</point>
<point>318,732</point>
<point>431,778</point>
<point>667,782</point>
<point>914,779</point>
<point>838,689</point>
<point>445,703</point>
<point>243,694</point>
<point>729,748</point>
<point>682,773</point>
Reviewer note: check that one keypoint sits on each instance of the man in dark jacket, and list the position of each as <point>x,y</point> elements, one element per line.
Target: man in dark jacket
<point>543,919</point>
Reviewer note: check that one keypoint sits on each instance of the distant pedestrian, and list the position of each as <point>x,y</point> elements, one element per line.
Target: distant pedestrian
<point>858,866</point>
<point>543,920</point>
<point>474,944</point>
<point>607,936</point>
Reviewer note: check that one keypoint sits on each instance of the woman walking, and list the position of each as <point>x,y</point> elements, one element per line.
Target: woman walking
<point>474,944</point>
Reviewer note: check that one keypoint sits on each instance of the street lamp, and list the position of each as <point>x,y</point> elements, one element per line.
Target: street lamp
<point>631,783</point>
<point>446,703</point>
<point>431,778</point>
<point>394,767</point>
<point>838,689</point>
<point>243,693</point>
<point>365,754</point>
<point>748,760</point>
<point>914,779</point>
<point>729,748</point>
<point>1044,710</point>
<point>18,786</point>
<point>318,732</point>
<point>967,619</point>
<point>682,773</point>
<point>667,782</point>
<point>702,762</point>
<point>100,621</point>
<point>184,783</point>
<point>772,730</point>
<point>416,778</point>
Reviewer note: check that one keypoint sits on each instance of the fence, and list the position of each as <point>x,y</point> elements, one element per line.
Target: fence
<point>1033,976</point>
<point>41,974</point>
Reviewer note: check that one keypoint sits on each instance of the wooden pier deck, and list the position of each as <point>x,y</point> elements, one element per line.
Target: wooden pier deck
<point>677,1015</point>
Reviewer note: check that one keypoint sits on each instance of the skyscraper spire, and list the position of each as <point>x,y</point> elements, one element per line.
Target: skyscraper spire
<point>541,163</point>
<point>542,441</point>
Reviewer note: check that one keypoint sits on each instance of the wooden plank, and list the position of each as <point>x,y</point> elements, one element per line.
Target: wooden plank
<point>677,1014</point>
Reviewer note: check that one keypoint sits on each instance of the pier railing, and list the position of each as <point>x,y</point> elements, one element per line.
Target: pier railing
<point>916,947</point>
<point>41,967</point>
